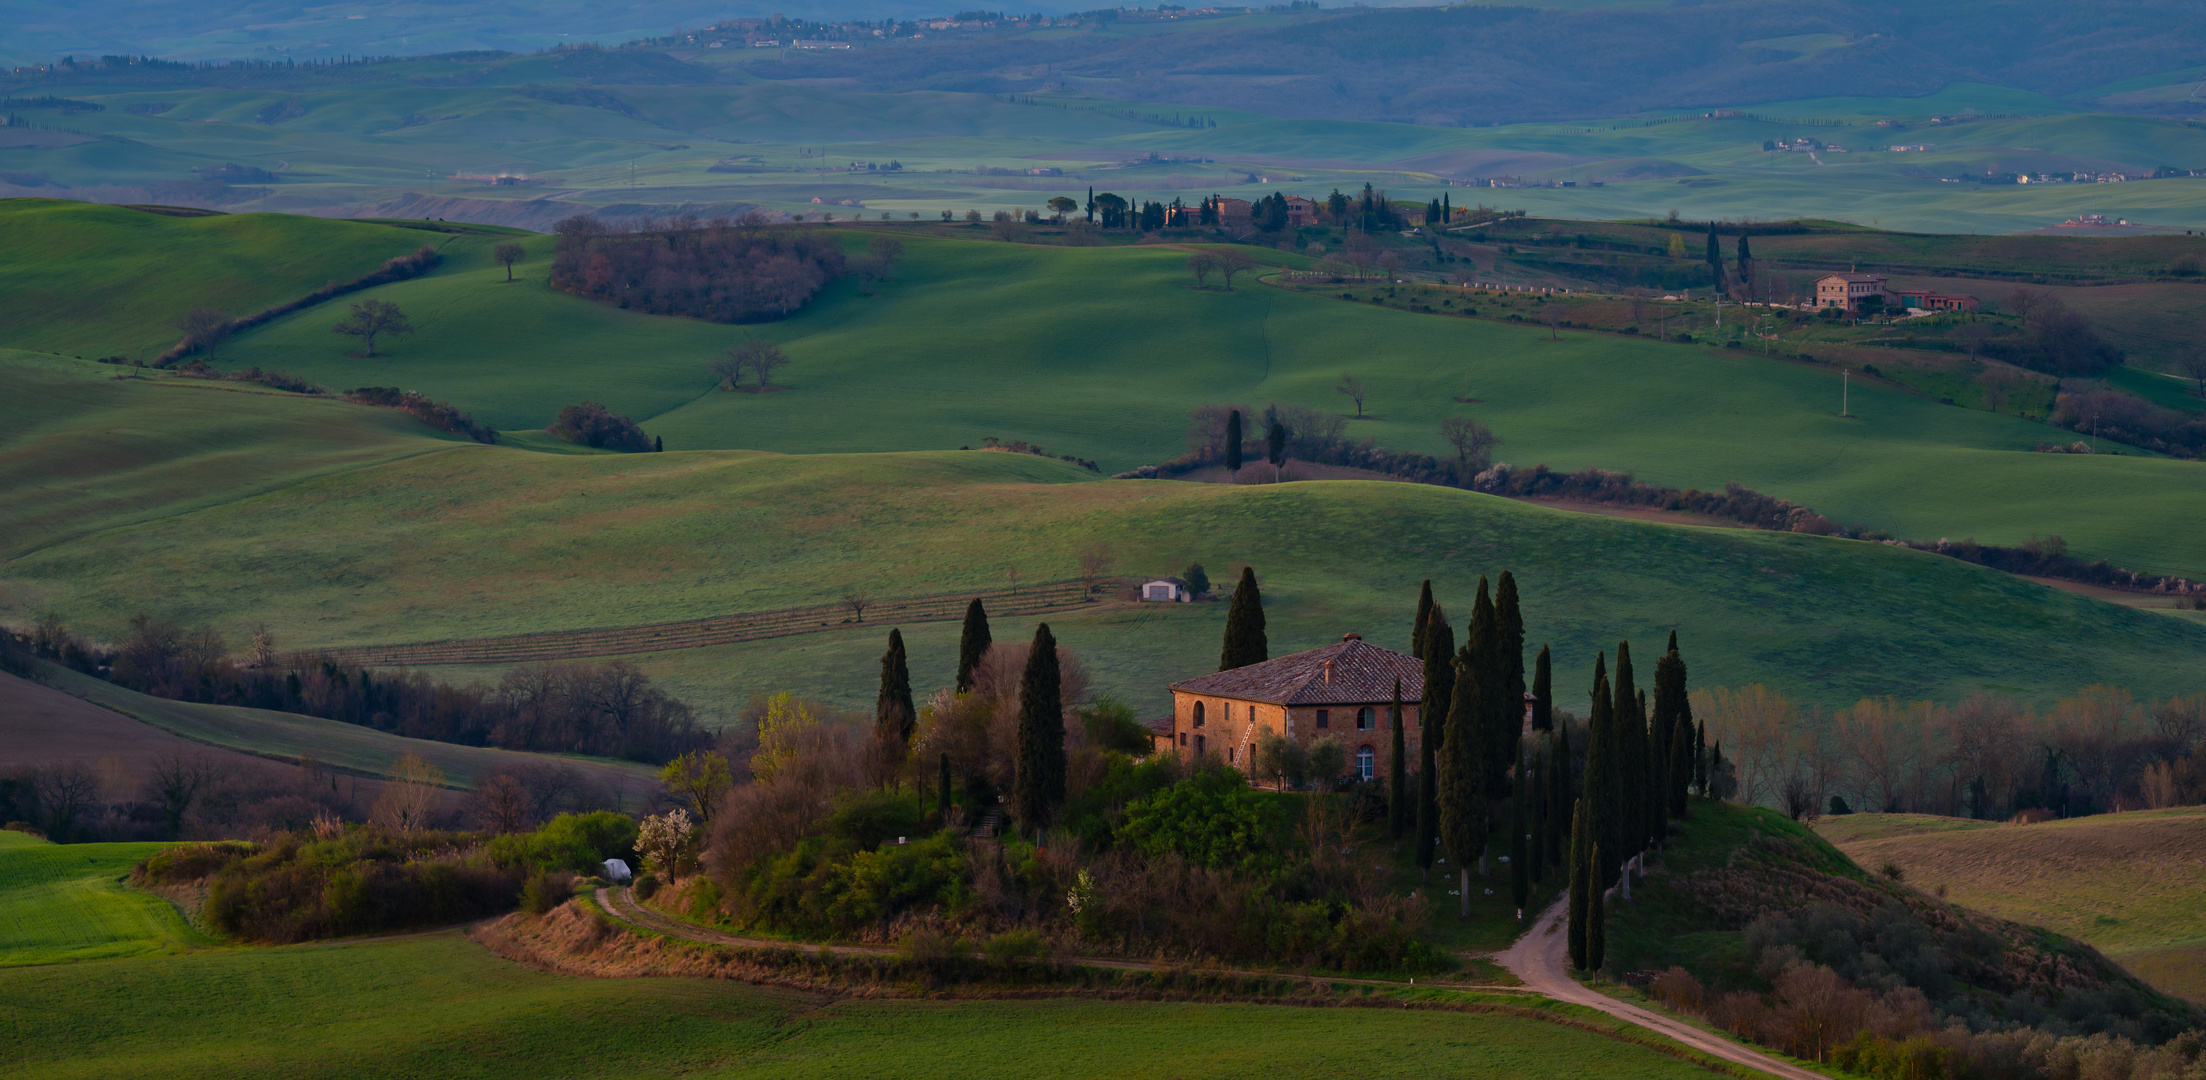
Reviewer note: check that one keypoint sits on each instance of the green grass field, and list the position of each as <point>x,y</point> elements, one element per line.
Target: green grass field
<point>479,541</point>
<point>437,1005</point>
<point>64,902</point>
<point>96,281</point>
<point>987,339</point>
<point>2127,883</point>
<point>351,747</point>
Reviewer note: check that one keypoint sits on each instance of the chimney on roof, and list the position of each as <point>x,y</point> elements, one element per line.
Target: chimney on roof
<point>1328,671</point>
<point>1351,636</point>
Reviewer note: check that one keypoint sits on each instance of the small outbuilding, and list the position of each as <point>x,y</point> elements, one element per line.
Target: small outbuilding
<point>1167,590</point>
<point>616,870</point>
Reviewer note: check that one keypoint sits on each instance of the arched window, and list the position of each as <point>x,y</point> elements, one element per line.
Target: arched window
<point>1198,714</point>
<point>1366,761</point>
<point>1366,718</point>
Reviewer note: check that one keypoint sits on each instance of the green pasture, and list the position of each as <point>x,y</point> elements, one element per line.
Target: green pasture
<point>64,902</point>
<point>1101,353</point>
<point>437,1005</point>
<point>90,447</point>
<point>479,541</point>
<point>95,281</point>
<point>353,748</point>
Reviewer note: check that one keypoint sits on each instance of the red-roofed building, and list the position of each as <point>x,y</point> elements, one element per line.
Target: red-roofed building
<point>1344,690</point>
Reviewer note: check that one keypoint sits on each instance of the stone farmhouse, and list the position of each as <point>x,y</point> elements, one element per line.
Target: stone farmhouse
<point>1848,292</point>
<point>1344,690</point>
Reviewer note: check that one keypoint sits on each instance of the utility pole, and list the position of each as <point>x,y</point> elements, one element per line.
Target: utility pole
<point>1845,391</point>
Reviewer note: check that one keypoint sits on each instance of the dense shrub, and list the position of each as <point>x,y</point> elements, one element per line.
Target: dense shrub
<point>1212,819</point>
<point>302,887</point>
<point>398,268</point>
<point>436,414</point>
<point>2111,414</point>
<point>589,424</point>
<point>723,271</point>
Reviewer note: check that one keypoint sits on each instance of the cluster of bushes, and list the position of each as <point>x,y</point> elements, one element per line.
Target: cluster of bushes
<point>2111,414</point>
<point>437,414</point>
<point>1733,503</point>
<point>608,710</point>
<point>589,424</point>
<point>274,380</point>
<point>2055,339</point>
<point>203,328</point>
<point>2049,557</point>
<point>333,882</point>
<point>723,271</point>
<point>841,835</point>
<point>1780,940</point>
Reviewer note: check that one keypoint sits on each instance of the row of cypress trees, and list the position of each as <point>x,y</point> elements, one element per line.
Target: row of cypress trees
<point>1640,764</point>
<point>1038,777</point>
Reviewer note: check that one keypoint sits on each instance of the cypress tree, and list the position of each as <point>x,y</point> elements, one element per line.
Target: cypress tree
<point>1447,213</point>
<point>1600,786</point>
<point>1233,442</point>
<point>1432,214</point>
<point>1397,773</point>
<point>1746,263</point>
<point>1715,256</point>
<point>1462,776</point>
<point>1700,756</point>
<point>1681,767</point>
<point>1432,719</point>
<point>1417,626</point>
<point>1543,692</point>
<point>1581,881</point>
<point>1520,870</point>
<point>1558,798</point>
<point>1532,788</point>
<point>658,444</point>
<point>1245,641</point>
<point>1038,786</point>
<point>1276,447</point>
<point>1627,735</point>
<point>893,713</point>
<point>1511,614</point>
<point>1597,924</point>
<point>1715,769</point>
<point>972,644</point>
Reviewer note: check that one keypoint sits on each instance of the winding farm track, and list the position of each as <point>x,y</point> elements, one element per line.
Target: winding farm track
<point>1538,959</point>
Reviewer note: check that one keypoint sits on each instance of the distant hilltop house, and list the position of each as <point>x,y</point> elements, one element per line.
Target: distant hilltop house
<point>1852,292</point>
<point>1344,690</point>
<point>1165,590</point>
<point>1300,211</point>
<point>1235,211</point>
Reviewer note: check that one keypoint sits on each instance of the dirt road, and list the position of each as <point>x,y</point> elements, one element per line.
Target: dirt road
<point>1539,958</point>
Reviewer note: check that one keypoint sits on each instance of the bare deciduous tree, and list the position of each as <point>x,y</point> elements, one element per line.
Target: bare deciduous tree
<point>508,254</point>
<point>370,318</point>
<point>1472,440</point>
<point>729,369</point>
<point>501,804</point>
<point>2026,302</point>
<point>857,600</point>
<point>1095,562</point>
<point>1972,336</point>
<point>204,328</point>
<point>758,356</point>
<point>1553,314</point>
<point>176,783</point>
<point>1352,388</point>
<point>1201,264</point>
<point>409,801</point>
<point>2193,364</point>
<point>1232,262</point>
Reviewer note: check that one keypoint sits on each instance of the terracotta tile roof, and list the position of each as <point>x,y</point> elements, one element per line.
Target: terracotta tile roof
<point>1161,726</point>
<point>1361,674</point>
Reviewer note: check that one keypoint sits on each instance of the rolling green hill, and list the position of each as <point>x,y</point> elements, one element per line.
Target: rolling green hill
<point>96,281</point>
<point>471,540</point>
<point>1102,352</point>
<point>65,902</point>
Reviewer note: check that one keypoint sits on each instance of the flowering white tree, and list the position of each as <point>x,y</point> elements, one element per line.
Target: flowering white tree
<point>664,842</point>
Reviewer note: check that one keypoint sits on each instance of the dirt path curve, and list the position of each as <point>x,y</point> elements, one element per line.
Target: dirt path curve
<point>1539,959</point>
<point>621,904</point>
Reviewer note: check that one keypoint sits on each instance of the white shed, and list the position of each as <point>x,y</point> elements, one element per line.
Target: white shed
<point>1167,590</point>
<point>617,870</point>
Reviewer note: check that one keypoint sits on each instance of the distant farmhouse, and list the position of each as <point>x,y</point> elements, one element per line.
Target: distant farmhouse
<point>1853,292</point>
<point>1344,690</point>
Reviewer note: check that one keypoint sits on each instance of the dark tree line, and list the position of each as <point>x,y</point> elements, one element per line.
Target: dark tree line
<point>722,271</point>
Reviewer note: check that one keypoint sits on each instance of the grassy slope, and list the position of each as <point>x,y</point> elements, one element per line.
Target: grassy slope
<point>1087,351</point>
<point>99,280</point>
<point>87,451</point>
<point>2127,883</point>
<point>484,540</point>
<point>64,902</point>
<point>436,1005</point>
<point>363,750</point>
